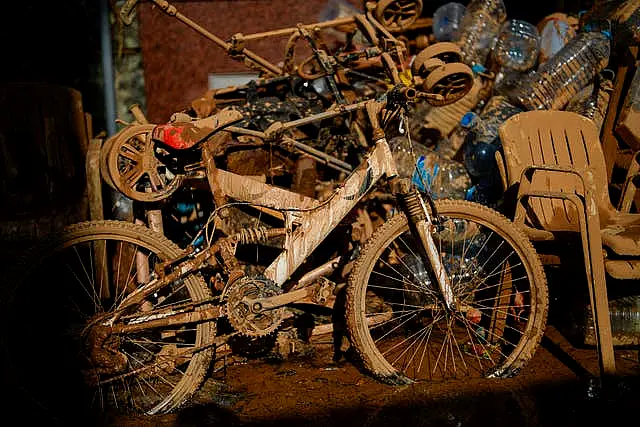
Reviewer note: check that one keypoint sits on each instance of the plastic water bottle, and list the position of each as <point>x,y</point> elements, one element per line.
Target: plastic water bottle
<point>479,28</point>
<point>497,110</point>
<point>624,313</point>
<point>428,170</point>
<point>446,21</point>
<point>405,154</point>
<point>507,80</point>
<point>444,179</point>
<point>625,316</point>
<point>517,46</point>
<point>555,32</point>
<point>561,78</point>
<point>480,146</point>
<point>592,101</point>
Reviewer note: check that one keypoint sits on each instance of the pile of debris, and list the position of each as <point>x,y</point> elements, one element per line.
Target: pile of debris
<point>562,62</point>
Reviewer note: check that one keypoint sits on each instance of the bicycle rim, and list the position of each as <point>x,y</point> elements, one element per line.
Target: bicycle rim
<point>399,323</point>
<point>65,364</point>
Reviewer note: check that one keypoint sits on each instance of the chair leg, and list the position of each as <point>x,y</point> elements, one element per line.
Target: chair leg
<point>589,222</point>
<point>594,263</point>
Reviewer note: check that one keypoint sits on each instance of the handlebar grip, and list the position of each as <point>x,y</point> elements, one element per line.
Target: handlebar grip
<point>126,12</point>
<point>429,96</point>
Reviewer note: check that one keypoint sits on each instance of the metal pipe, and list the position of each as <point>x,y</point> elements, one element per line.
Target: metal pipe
<point>291,30</point>
<point>107,69</point>
<point>328,159</point>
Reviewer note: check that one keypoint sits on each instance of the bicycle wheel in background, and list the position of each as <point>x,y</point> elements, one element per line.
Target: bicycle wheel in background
<point>65,362</point>
<point>397,319</point>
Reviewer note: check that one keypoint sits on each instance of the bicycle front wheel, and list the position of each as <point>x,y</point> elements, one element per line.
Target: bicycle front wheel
<point>398,321</point>
<point>68,360</point>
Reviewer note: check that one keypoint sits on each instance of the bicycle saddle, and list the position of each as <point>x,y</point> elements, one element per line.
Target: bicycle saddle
<point>184,135</point>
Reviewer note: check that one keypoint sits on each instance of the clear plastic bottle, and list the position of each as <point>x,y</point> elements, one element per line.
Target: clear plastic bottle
<point>479,28</point>
<point>429,171</point>
<point>625,319</point>
<point>555,32</point>
<point>592,101</point>
<point>625,316</point>
<point>624,313</point>
<point>405,155</point>
<point>480,146</point>
<point>444,179</point>
<point>565,74</point>
<point>507,80</point>
<point>446,22</point>
<point>517,45</point>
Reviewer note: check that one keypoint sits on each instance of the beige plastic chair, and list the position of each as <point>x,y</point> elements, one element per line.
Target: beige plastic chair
<point>553,162</point>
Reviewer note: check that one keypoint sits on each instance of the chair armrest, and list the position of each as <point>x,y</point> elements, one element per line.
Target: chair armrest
<point>552,168</point>
<point>526,176</point>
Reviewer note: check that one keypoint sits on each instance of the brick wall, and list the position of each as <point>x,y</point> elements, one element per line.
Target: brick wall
<point>177,60</point>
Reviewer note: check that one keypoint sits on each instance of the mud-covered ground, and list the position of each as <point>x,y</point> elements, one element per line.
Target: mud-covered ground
<point>556,388</point>
<point>311,390</point>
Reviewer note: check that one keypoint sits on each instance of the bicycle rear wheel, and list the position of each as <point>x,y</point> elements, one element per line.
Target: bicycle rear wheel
<point>64,358</point>
<point>398,321</point>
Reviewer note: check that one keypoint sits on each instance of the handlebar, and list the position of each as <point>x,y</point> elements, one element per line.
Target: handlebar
<point>400,95</point>
<point>126,12</point>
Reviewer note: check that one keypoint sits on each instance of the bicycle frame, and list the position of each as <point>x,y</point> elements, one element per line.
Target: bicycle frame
<point>314,220</point>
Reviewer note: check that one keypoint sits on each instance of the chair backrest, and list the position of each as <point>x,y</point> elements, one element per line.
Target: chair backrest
<point>559,138</point>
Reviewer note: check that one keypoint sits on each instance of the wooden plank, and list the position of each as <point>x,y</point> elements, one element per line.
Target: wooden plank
<point>94,180</point>
<point>628,123</point>
<point>96,212</point>
<point>609,142</point>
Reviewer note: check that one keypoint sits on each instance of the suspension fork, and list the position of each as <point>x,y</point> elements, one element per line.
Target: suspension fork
<point>421,226</point>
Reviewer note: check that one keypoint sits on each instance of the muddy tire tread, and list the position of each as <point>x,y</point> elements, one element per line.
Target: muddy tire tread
<point>371,251</point>
<point>133,233</point>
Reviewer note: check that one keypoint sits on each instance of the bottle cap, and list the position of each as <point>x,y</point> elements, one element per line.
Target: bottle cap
<point>468,120</point>
<point>478,68</point>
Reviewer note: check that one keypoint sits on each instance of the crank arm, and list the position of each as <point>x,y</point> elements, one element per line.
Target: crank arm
<point>318,293</point>
<point>372,321</point>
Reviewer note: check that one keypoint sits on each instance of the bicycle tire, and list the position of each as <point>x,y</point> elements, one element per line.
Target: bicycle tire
<point>378,308</point>
<point>154,360</point>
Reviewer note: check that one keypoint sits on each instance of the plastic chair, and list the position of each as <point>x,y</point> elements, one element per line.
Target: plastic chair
<point>554,163</point>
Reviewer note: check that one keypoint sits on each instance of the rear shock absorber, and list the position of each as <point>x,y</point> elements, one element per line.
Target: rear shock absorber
<point>257,235</point>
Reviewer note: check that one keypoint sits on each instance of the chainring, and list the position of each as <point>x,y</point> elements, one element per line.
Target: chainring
<point>240,311</point>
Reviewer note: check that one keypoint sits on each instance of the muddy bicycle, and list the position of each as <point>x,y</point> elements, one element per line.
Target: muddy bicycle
<point>114,315</point>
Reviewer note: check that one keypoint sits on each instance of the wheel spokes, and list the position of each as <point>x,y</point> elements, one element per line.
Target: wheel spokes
<point>420,337</point>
